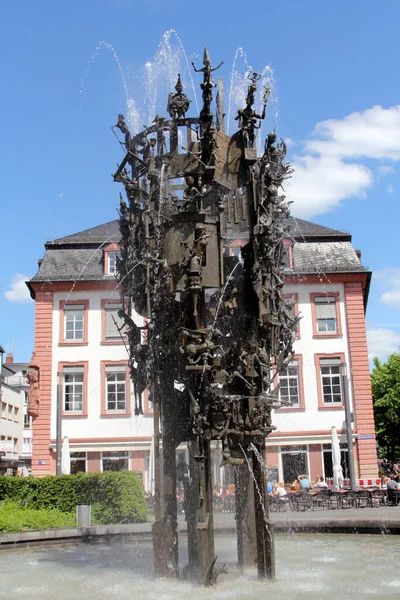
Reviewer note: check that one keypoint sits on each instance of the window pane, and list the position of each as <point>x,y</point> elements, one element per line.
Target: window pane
<point>73,391</point>
<point>114,323</point>
<point>74,324</point>
<point>116,390</point>
<point>289,385</point>
<point>331,385</point>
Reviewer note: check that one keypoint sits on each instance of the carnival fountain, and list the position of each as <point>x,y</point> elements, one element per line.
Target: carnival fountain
<point>217,325</point>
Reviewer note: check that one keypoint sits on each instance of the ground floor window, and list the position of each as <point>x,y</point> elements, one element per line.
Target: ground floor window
<point>78,462</point>
<point>344,460</point>
<point>294,462</point>
<point>115,461</point>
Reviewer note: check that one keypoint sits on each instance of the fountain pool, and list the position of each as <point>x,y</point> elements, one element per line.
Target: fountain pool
<point>308,566</point>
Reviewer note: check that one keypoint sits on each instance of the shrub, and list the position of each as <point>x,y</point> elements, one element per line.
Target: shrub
<point>116,497</point>
<point>15,518</point>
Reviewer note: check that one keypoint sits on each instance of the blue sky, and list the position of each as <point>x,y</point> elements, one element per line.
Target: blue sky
<point>336,100</point>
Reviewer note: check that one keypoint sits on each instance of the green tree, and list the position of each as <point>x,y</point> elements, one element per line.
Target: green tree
<point>385,379</point>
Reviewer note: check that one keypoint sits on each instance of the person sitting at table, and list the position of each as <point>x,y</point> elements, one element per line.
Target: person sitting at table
<point>384,482</point>
<point>279,489</point>
<point>393,489</point>
<point>396,473</point>
<point>321,483</point>
<point>270,487</point>
<point>296,485</point>
<point>305,483</point>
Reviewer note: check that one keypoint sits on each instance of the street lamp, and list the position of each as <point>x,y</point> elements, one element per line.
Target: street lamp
<point>350,453</point>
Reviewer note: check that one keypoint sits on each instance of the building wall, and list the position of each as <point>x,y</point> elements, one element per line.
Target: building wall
<point>93,432</point>
<point>309,425</point>
<point>11,425</point>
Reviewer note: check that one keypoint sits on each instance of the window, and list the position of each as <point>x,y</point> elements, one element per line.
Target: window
<point>27,421</point>
<point>16,412</point>
<point>329,380</point>
<point>78,462</point>
<point>73,321</point>
<point>291,390</point>
<point>15,444</point>
<point>115,461</point>
<point>326,315</point>
<point>116,388</point>
<point>3,410</point>
<point>111,255</point>
<point>26,445</point>
<point>113,327</point>
<point>328,467</point>
<point>10,410</point>
<point>289,385</point>
<point>325,311</point>
<point>294,461</point>
<point>112,262</point>
<point>74,389</point>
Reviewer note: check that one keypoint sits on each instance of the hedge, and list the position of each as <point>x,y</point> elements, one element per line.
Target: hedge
<point>14,518</point>
<point>116,497</point>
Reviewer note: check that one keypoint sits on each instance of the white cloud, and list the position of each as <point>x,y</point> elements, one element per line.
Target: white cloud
<point>373,133</point>
<point>386,169</point>
<point>18,292</point>
<point>389,189</point>
<point>382,342</point>
<point>329,169</point>
<point>320,183</point>
<point>391,278</point>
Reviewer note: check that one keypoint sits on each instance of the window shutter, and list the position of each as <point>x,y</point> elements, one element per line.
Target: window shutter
<point>112,319</point>
<point>73,369</point>
<point>325,308</point>
<point>74,307</point>
<point>115,368</point>
<point>328,362</point>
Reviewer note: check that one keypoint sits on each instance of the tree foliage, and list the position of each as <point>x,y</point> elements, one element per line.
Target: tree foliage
<point>385,379</point>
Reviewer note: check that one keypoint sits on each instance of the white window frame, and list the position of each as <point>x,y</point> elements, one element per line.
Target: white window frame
<point>331,380</point>
<point>77,381</point>
<point>285,377</point>
<point>325,315</point>
<point>115,378</point>
<point>112,262</point>
<point>111,330</point>
<point>74,317</point>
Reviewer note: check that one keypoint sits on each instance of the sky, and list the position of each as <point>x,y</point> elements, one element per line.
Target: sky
<point>68,69</point>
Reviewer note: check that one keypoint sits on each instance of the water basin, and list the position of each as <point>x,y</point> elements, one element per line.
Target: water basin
<point>308,566</point>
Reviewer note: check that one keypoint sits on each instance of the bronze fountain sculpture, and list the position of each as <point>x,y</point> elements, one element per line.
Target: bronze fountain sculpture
<point>218,328</point>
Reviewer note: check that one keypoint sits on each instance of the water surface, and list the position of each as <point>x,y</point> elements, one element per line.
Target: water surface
<point>308,567</point>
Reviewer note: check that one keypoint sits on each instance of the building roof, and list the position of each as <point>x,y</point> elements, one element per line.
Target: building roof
<point>326,257</point>
<point>105,233</point>
<point>79,257</point>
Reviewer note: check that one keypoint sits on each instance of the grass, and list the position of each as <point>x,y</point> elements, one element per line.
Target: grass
<point>13,518</point>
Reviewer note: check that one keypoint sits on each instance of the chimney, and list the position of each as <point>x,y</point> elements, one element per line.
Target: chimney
<point>358,252</point>
<point>9,359</point>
